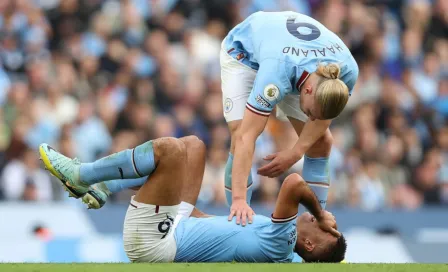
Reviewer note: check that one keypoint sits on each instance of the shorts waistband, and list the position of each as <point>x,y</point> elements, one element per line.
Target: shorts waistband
<point>157,208</point>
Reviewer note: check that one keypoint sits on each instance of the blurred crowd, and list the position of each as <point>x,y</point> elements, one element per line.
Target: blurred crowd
<point>93,77</point>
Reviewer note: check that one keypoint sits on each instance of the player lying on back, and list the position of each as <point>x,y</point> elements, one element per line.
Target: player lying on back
<point>291,62</point>
<point>158,226</point>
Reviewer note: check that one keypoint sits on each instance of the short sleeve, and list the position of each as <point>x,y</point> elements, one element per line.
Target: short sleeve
<point>279,239</point>
<point>270,86</point>
<point>297,258</point>
<point>285,230</point>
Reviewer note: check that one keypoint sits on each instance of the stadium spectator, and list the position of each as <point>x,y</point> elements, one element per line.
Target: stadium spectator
<point>22,179</point>
<point>94,77</point>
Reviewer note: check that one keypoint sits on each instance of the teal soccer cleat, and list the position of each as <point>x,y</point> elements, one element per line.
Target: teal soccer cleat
<point>65,169</point>
<point>97,195</point>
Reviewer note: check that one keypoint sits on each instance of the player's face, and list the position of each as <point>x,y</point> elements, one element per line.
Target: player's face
<point>309,235</point>
<point>308,103</point>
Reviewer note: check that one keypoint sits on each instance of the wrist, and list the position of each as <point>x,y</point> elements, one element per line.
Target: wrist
<point>238,198</point>
<point>320,215</point>
<point>298,153</point>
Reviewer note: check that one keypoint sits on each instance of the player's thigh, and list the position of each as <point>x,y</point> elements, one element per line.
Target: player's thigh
<point>237,81</point>
<point>164,185</point>
<point>290,107</point>
<point>196,156</point>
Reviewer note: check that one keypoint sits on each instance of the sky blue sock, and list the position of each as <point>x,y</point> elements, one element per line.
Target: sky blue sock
<point>228,182</point>
<point>126,164</point>
<point>118,185</point>
<point>316,174</point>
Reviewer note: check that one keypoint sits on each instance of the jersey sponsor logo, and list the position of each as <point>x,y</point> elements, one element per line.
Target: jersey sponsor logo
<point>262,102</point>
<point>292,237</point>
<point>271,92</point>
<point>228,105</point>
<point>165,226</point>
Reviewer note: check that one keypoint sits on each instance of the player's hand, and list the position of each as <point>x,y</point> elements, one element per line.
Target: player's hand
<point>327,223</point>
<point>242,211</point>
<point>279,163</point>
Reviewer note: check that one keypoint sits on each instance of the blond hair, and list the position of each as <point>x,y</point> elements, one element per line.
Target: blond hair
<point>332,93</point>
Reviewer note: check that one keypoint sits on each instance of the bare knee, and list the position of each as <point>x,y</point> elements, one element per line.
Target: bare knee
<point>322,146</point>
<point>194,143</point>
<point>169,147</point>
<point>293,181</point>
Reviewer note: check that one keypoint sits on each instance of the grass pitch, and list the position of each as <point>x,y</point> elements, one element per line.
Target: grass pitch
<point>234,267</point>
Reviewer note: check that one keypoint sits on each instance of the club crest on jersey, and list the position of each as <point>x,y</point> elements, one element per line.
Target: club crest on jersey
<point>228,105</point>
<point>271,92</point>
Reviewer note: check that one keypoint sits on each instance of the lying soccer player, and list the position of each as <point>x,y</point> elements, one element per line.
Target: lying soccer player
<point>157,229</point>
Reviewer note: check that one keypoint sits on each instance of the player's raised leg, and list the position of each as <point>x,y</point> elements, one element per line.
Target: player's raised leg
<point>76,177</point>
<point>164,187</point>
<point>97,195</point>
<point>196,154</point>
<point>148,234</point>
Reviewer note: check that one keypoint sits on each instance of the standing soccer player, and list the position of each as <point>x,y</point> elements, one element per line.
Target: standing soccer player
<point>291,61</point>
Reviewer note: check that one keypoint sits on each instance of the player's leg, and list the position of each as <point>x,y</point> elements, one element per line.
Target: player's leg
<point>77,177</point>
<point>195,148</point>
<point>196,154</point>
<point>315,166</point>
<point>164,186</point>
<point>148,234</point>
<point>98,193</point>
<point>236,84</point>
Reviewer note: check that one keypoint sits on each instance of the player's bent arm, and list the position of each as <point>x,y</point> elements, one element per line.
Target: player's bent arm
<point>251,127</point>
<point>295,191</point>
<point>311,132</point>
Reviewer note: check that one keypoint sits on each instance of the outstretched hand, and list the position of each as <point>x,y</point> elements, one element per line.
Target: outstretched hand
<point>327,223</point>
<point>279,163</point>
<point>242,211</point>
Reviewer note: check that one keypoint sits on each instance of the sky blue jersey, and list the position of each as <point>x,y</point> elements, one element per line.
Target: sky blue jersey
<point>285,47</point>
<point>215,239</point>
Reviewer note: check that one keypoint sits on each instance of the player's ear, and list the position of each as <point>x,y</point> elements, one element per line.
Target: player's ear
<point>309,246</point>
<point>308,89</point>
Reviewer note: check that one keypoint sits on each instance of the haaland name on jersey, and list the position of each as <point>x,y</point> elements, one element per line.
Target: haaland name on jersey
<point>335,48</point>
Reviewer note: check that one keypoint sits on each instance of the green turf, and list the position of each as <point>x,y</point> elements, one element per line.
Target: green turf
<point>224,267</point>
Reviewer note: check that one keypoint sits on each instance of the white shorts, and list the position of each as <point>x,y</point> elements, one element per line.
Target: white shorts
<point>148,232</point>
<point>237,81</point>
